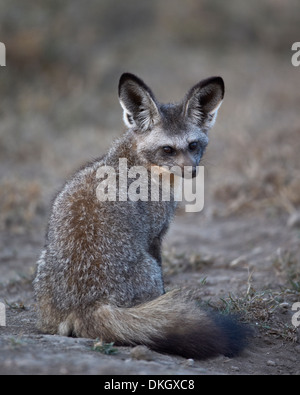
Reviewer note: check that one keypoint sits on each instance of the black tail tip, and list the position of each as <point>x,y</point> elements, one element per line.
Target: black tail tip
<point>235,335</point>
<point>216,335</point>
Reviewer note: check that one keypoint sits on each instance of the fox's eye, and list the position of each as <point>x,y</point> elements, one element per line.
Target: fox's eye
<point>193,146</point>
<point>168,150</point>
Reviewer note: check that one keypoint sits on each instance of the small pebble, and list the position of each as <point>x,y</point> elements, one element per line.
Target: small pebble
<point>141,353</point>
<point>190,362</point>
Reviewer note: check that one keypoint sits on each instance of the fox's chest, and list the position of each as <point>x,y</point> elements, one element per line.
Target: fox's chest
<point>160,216</point>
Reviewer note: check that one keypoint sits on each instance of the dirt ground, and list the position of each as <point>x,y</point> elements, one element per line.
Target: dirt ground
<point>224,252</point>
<point>60,109</point>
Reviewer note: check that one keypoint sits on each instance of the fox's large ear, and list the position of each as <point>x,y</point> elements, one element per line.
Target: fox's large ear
<point>138,103</point>
<point>203,101</point>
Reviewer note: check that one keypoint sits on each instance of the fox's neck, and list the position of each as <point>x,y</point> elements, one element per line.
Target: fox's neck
<point>124,155</point>
<point>124,148</point>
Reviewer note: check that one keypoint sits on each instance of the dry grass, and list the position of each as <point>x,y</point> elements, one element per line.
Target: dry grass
<point>268,310</point>
<point>266,175</point>
<point>287,265</point>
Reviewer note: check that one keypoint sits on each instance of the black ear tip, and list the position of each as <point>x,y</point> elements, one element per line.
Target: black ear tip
<point>130,77</point>
<point>214,81</point>
<point>132,80</point>
<point>219,81</point>
<point>126,76</point>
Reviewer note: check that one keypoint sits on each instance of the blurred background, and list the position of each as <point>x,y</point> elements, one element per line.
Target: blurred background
<point>59,104</point>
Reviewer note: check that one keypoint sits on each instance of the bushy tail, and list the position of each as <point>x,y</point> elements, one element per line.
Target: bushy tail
<point>171,323</point>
